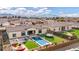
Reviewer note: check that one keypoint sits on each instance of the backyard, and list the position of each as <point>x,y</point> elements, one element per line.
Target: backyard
<point>74,31</point>
<point>53,39</point>
<point>30,44</point>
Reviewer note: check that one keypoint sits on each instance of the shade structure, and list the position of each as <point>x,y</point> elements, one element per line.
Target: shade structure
<point>49,35</point>
<point>21,40</point>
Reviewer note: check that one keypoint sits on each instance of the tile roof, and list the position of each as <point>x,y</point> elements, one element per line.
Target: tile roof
<point>59,24</point>
<point>23,28</point>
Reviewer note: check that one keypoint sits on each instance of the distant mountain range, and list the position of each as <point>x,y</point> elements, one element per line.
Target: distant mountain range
<point>6,15</point>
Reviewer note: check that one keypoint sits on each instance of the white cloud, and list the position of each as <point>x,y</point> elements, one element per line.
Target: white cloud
<point>31,12</point>
<point>25,11</point>
<point>41,10</point>
<point>35,7</point>
<point>20,9</point>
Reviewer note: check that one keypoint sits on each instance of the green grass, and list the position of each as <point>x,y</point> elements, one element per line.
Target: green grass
<point>53,39</point>
<point>74,31</point>
<point>30,44</point>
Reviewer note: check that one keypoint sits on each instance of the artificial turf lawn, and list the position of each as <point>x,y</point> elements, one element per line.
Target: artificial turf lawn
<point>75,31</point>
<point>54,39</point>
<point>30,44</point>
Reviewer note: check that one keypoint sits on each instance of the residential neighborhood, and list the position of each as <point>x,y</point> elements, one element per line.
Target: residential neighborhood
<point>34,34</point>
<point>39,29</point>
<point>29,33</point>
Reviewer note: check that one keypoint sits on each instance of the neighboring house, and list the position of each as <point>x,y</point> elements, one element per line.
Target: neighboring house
<point>2,28</point>
<point>6,24</point>
<point>75,25</point>
<point>59,26</point>
<point>25,30</point>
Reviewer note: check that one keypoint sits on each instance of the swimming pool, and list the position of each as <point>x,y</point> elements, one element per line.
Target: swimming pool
<point>40,41</point>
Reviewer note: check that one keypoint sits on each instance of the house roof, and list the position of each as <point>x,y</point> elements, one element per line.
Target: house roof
<point>23,28</point>
<point>75,24</point>
<point>3,20</point>
<point>59,24</point>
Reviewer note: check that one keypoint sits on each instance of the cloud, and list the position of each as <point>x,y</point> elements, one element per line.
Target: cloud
<point>35,11</point>
<point>25,11</point>
<point>31,12</point>
<point>43,12</point>
<point>20,9</point>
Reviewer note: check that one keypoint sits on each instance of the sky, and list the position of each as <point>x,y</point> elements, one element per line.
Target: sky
<point>41,11</point>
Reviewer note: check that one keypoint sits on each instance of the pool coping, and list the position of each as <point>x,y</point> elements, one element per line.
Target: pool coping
<point>42,39</point>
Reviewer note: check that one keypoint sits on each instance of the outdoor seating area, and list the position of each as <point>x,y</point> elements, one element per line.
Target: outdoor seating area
<point>18,47</point>
<point>21,40</point>
<point>13,41</point>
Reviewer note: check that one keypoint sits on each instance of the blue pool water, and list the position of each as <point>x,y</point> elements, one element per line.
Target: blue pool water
<point>40,41</point>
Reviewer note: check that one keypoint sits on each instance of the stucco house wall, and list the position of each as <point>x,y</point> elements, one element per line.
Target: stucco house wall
<point>30,29</point>
<point>10,34</point>
<point>44,31</point>
<point>68,27</point>
<point>57,29</point>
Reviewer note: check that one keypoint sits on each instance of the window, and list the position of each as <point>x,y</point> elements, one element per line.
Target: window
<point>54,29</point>
<point>59,29</point>
<point>63,28</point>
<point>23,33</point>
<point>40,31</point>
<point>67,27</point>
<point>14,35</point>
